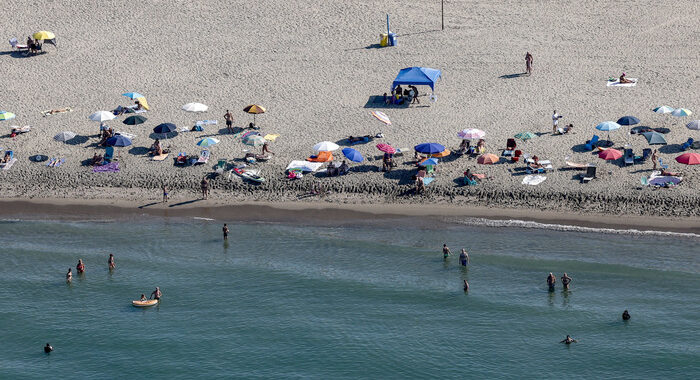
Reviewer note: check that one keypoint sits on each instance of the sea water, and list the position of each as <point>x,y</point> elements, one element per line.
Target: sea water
<point>367,300</point>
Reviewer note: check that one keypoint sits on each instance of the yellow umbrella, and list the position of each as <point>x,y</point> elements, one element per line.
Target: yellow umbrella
<point>144,103</point>
<point>43,35</point>
<point>254,109</point>
<point>444,153</point>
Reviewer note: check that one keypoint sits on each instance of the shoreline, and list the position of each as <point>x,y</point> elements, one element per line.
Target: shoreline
<point>326,213</point>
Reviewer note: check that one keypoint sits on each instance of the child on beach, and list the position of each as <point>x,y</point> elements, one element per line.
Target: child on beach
<point>165,194</point>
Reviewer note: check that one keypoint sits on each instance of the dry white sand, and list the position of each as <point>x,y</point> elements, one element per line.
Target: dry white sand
<point>312,64</point>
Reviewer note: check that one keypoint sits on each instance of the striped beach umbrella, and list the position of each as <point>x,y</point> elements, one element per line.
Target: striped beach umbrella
<point>254,109</point>
<point>694,125</point>
<point>663,109</point>
<point>254,140</point>
<point>4,115</point>
<point>471,134</point>
<point>386,148</point>
<point>681,112</point>
<point>207,142</point>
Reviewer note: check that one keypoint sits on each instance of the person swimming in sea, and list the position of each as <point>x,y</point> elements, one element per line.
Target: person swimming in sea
<point>551,280</point>
<point>110,262</point>
<point>48,348</point>
<point>566,280</point>
<point>569,340</point>
<point>446,251</point>
<point>69,275</point>
<point>80,267</point>
<point>626,315</point>
<point>156,294</point>
<point>464,257</point>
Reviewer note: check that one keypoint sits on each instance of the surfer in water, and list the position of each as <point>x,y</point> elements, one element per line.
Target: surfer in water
<point>566,280</point>
<point>551,280</point>
<point>446,251</point>
<point>464,258</point>
<point>466,286</point>
<point>569,340</point>
<point>156,294</point>
<point>110,262</point>
<point>626,315</point>
<point>69,275</point>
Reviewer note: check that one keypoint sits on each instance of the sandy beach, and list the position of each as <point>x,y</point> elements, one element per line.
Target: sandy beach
<point>315,65</point>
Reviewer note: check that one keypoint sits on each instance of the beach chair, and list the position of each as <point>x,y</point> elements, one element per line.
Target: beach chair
<point>203,158</point>
<point>321,157</point>
<point>510,148</point>
<point>592,143</point>
<point>686,145</point>
<point>645,155</point>
<point>469,181</point>
<point>590,174</point>
<point>109,154</point>
<point>629,157</point>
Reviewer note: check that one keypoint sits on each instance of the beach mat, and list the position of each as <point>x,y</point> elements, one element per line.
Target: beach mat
<point>112,167</point>
<point>161,157</point>
<point>618,84</point>
<point>56,111</point>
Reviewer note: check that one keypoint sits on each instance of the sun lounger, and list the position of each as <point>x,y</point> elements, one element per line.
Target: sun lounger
<point>645,154</point>
<point>629,157</point>
<point>592,142</point>
<point>321,157</point>
<point>9,164</point>
<point>589,175</point>
<point>203,158</point>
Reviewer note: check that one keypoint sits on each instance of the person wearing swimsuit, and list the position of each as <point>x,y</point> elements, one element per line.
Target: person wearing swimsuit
<point>69,275</point>
<point>551,280</point>
<point>80,267</point>
<point>464,257</point>
<point>156,294</point>
<point>110,262</point>
<point>566,280</point>
<point>445,251</point>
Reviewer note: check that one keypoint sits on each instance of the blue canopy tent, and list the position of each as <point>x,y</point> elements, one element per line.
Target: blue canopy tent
<point>419,76</point>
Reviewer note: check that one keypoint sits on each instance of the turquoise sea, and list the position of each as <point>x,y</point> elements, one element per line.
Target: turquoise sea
<point>370,299</point>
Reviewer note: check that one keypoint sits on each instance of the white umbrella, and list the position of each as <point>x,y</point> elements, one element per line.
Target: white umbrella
<point>680,112</point>
<point>663,109</point>
<point>694,125</point>
<point>101,116</point>
<point>64,136</point>
<point>471,133</point>
<point>195,107</point>
<point>533,180</point>
<point>326,146</point>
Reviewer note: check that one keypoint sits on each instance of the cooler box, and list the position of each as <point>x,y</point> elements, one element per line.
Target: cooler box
<point>392,39</point>
<point>383,39</point>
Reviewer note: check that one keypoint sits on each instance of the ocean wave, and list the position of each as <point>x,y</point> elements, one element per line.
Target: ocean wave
<point>516,223</point>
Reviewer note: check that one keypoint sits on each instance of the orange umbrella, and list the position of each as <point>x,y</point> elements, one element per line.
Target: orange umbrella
<point>487,159</point>
<point>444,153</point>
<point>689,158</point>
<point>610,154</point>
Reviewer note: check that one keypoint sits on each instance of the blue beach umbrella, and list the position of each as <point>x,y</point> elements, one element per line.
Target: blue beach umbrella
<point>429,148</point>
<point>628,120</point>
<point>352,155</point>
<point>165,128</point>
<point>133,95</point>
<point>118,141</point>
<point>663,109</point>
<point>430,161</point>
<point>607,126</point>
<point>207,142</point>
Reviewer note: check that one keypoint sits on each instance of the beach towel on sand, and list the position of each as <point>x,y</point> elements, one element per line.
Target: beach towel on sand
<point>618,84</point>
<point>112,167</point>
<point>56,110</point>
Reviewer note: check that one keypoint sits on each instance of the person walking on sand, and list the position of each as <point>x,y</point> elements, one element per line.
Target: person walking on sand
<point>165,194</point>
<point>464,257</point>
<point>205,188</point>
<point>654,158</point>
<point>528,63</point>
<point>110,262</point>
<point>229,121</point>
<point>446,251</point>
<point>69,275</point>
<point>415,94</point>
<point>225,230</point>
<point>555,121</point>
<point>565,280</point>
<point>551,280</point>
<point>80,267</point>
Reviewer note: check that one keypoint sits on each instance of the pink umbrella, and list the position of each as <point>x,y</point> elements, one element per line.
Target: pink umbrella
<point>471,134</point>
<point>386,148</point>
<point>689,158</point>
<point>610,154</point>
<point>487,159</point>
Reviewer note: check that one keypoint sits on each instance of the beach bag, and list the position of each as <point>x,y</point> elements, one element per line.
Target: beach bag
<point>198,128</point>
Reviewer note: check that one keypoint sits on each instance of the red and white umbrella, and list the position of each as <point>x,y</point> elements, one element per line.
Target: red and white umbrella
<point>610,154</point>
<point>386,148</point>
<point>471,134</point>
<point>689,158</point>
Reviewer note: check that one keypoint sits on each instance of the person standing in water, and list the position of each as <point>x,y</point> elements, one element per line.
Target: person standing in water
<point>464,257</point>
<point>225,230</point>
<point>80,267</point>
<point>551,280</point>
<point>446,251</point>
<point>566,280</point>
<point>110,262</point>
<point>156,294</point>
<point>528,63</point>
<point>48,348</point>
<point>626,316</point>
<point>466,286</point>
<point>69,275</point>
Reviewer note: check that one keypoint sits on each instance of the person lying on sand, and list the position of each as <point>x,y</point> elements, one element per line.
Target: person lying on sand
<point>97,159</point>
<point>625,80</point>
<point>665,172</point>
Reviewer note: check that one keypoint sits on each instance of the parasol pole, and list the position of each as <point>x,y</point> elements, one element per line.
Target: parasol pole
<point>442,10</point>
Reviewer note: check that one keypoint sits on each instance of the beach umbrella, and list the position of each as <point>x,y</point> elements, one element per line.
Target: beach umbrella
<point>101,116</point>
<point>607,126</point>
<point>254,140</point>
<point>610,154</point>
<point>4,115</point>
<point>64,136</point>
<point>663,109</point>
<point>628,120</point>
<point>195,107</point>
<point>429,148</point>
<point>694,125</point>
<point>680,112</point>
<point>471,134</point>
<point>352,155</point>
<point>654,138</point>
<point>144,103</point>
<point>118,141</point>
<point>533,180</point>
<point>165,128</point>
<point>133,95</point>
<point>429,162</point>
<point>381,116</point>
<point>487,159</point>
<point>325,146</point>
<point>386,148</point>
<point>254,109</point>
<point>444,153</point>
<point>43,35</point>
<point>525,136</point>
<point>207,142</point>
<point>134,120</point>
<point>689,158</point>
